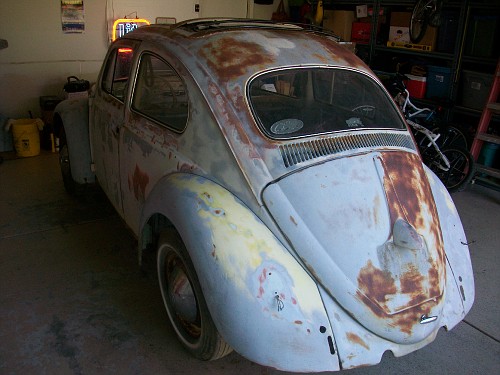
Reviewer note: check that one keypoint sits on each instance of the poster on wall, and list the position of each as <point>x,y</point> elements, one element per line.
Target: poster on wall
<point>72,16</point>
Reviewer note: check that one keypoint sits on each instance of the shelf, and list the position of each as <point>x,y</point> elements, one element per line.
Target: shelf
<point>431,54</point>
<point>489,138</point>
<point>479,60</point>
<point>495,107</point>
<point>493,172</point>
<point>453,49</point>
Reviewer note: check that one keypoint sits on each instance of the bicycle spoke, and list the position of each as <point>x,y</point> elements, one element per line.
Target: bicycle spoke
<point>418,21</point>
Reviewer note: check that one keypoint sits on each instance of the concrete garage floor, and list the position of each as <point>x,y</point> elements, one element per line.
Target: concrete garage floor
<point>73,301</point>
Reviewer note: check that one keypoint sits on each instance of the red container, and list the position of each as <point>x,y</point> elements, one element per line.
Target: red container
<point>360,32</point>
<point>416,86</point>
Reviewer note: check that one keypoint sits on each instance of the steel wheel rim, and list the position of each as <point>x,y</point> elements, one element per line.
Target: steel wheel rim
<point>64,160</point>
<point>181,298</point>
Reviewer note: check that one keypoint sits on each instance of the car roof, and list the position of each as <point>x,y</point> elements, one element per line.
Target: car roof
<point>235,49</point>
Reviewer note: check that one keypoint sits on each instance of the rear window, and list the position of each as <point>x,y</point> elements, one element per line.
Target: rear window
<point>308,101</point>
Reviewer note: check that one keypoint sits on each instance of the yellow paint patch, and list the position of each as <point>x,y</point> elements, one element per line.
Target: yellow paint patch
<point>241,243</point>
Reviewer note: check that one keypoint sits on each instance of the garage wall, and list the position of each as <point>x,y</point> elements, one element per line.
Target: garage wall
<point>40,56</point>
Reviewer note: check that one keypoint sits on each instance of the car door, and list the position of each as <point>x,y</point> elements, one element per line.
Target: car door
<point>107,117</point>
<point>154,124</point>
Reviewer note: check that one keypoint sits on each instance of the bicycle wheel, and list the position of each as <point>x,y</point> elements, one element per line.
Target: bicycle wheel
<point>451,137</point>
<point>461,169</point>
<point>418,21</point>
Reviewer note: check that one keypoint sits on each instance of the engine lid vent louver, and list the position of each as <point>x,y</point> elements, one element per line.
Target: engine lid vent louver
<point>298,152</point>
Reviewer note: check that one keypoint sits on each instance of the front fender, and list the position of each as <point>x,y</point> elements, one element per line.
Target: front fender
<point>73,115</point>
<point>262,301</point>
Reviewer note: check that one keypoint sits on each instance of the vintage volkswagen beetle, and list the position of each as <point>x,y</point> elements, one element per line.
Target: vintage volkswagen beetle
<point>286,203</point>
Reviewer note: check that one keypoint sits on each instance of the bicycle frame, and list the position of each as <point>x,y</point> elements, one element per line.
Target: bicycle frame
<point>406,106</point>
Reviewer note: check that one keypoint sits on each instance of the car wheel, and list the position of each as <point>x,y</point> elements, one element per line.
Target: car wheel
<point>184,301</point>
<point>64,164</point>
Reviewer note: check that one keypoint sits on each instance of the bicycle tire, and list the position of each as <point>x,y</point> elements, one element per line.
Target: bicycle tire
<point>451,137</point>
<point>418,21</point>
<point>461,169</point>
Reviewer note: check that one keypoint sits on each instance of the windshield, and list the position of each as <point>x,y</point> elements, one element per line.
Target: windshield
<point>307,101</point>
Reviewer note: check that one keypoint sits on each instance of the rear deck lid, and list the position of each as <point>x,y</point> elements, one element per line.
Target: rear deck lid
<point>367,229</point>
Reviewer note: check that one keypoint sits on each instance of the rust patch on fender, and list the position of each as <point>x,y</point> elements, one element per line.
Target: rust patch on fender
<point>137,183</point>
<point>355,339</point>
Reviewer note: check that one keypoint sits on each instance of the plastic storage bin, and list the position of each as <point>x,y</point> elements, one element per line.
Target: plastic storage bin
<point>475,89</point>
<point>438,82</point>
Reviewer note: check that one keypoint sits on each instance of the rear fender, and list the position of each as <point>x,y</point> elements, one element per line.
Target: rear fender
<point>261,300</point>
<point>459,300</point>
<point>73,116</point>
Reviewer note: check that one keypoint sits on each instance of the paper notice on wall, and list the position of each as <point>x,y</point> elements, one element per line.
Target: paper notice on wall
<point>72,16</point>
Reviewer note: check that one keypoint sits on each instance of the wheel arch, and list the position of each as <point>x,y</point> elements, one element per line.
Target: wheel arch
<point>263,303</point>
<point>72,117</point>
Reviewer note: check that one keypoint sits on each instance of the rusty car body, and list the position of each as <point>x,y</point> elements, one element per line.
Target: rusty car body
<point>279,186</point>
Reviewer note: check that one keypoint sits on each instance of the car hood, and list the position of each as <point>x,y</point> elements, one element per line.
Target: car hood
<point>367,229</point>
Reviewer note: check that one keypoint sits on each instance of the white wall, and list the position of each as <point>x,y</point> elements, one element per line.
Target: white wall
<point>40,56</point>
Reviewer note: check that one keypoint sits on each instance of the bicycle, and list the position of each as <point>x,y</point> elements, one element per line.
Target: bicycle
<point>425,12</point>
<point>442,147</point>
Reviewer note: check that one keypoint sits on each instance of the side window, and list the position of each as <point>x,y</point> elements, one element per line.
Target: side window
<point>117,72</point>
<point>160,93</point>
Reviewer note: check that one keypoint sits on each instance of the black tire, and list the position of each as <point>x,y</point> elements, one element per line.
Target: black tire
<point>418,21</point>
<point>64,164</point>
<point>183,299</point>
<point>451,137</point>
<point>461,169</point>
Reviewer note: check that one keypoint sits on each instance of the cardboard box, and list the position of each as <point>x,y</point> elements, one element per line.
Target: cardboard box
<point>402,19</point>
<point>399,34</point>
<point>361,11</point>
<point>340,22</point>
<point>361,32</point>
<point>430,37</point>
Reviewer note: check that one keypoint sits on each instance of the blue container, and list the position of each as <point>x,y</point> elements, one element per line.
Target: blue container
<point>438,82</point>
<point>488,154</point>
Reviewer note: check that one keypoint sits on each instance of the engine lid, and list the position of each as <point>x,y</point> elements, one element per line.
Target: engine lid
<point>366,227</point>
